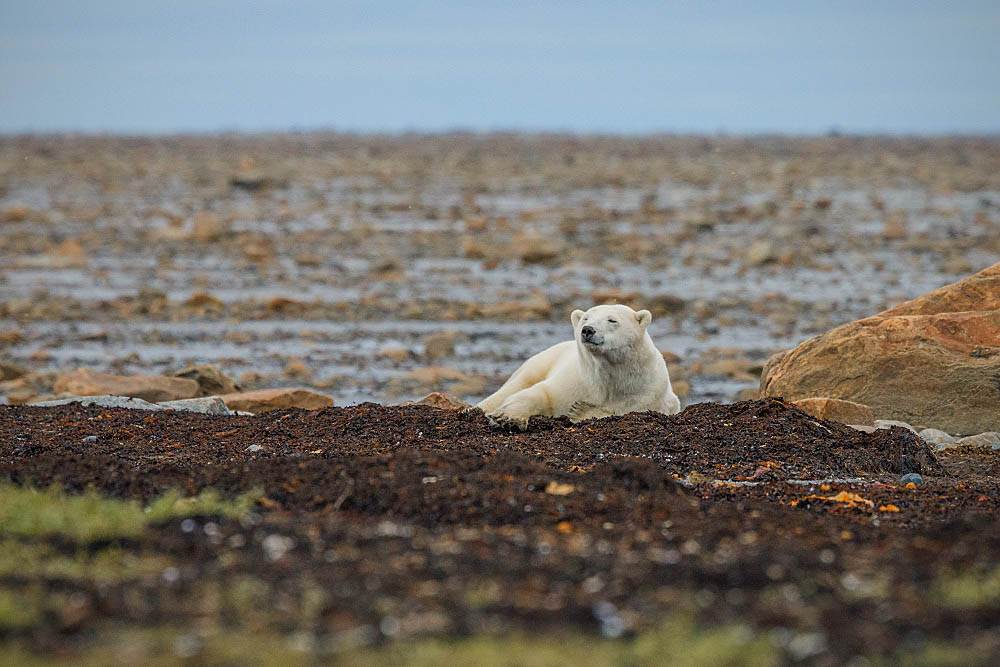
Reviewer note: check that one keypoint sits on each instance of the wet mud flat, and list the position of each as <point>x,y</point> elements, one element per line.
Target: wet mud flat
<point>332,261</point>
<point>374,524</point>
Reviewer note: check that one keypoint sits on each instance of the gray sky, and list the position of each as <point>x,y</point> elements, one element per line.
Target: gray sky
<point>764,66</point>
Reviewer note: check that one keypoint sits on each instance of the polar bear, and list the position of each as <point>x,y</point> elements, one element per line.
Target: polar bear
<point>611,368</point>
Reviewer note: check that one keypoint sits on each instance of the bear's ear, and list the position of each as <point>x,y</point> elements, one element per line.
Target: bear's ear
<point>644,317</point>
<point>576,316</point>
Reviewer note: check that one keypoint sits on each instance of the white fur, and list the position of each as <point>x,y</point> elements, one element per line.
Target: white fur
<point>623,372</point>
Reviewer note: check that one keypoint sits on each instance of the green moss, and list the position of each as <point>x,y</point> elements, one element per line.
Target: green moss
<point>89,516</point>
<point>18,611</point>
<point>209,502</point>
<point>109,565</point>
<point>29,512</point>
<point>676,642</point>
<point>968,590</point>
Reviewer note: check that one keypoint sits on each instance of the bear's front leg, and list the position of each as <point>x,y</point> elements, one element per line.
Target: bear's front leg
<point>583,411</point>
<point>518,409</point>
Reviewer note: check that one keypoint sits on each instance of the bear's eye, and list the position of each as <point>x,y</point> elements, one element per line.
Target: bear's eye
<point>610,321</point>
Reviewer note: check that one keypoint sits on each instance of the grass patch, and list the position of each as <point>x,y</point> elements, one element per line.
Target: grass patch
<point>109,565</point>
<point>30,512</point>
<point>969,590</point>
<point>675,642</point>
<point>17,612</point>
<point>89,516</point>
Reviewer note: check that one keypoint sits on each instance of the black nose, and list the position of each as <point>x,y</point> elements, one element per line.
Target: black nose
<point>587,331</point>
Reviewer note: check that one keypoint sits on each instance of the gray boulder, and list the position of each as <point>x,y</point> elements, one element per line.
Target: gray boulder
<point>210,405</point>
<point>107,401</point>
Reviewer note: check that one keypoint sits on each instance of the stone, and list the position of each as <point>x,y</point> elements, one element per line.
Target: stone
<point>152,388</point>
<point>211,381</point>
<point>738,369</point>
<point>895,225</point>
<point>10,371</point>
<point>912,478</point>
<point>104,402</point>
<point>932,360</point>
<point>835,409</point>
<point>204,303</point>
<point>254,448</point>
<point>396,354</point>
<point>864,428</point>
<point>71,253</point>
<point>15,214</point>
<point>265,400</point>
<point>990,439</point>
<point>936,436</point>
<point>434,375</point>
<point>537,306</point>
<point>206,227</point>
<point>761,252</point>
<point>210,405</point>
<point>439,400</point>
<point>440,345</point>
<point>535,249</point>
<point>889,423</point>
<point>296,368</point>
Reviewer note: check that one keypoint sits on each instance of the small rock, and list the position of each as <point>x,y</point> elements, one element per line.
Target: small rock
<point>206,227</point>
<point>276,399</point>
<point>152,388</point>
<point>895,228</point>
<point>989,439</point>
<point>253,448</point>
<point>738,369</point>
<point>889,423</point>
<point>90,438</point>
<point>210,379</point>
<point>535,249</point>
<point>10,371</point>
<point>15,214</point>
<point>439,345</point>
<point>396,354</point>
<point>209,405</point>
<point>845,412</point>
<point>439,400</point>
<point>296,368</point>
<point>936,436</point>
<point>104,402</point>
<point>912,477</point>
<point>761,252</point>
<point>433,375</point>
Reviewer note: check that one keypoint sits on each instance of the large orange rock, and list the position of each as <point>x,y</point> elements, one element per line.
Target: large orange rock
<point>265,400</point>
<point>152,388</point>
<point>933,361</point>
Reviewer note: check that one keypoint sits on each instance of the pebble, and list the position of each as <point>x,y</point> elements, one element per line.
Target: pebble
<point>912,477</point>
<point>90,438</point>
<point>989,439</point>
<point>936,436</point>
<point>253,448</point>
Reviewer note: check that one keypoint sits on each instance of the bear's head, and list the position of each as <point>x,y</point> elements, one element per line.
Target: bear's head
<point>607,329</point>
